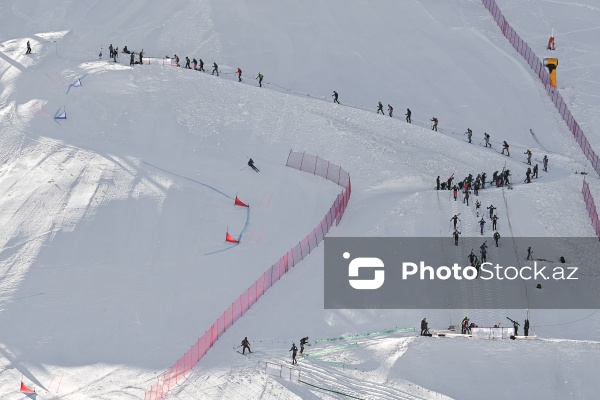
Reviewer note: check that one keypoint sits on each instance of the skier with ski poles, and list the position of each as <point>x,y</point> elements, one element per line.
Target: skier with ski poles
<point>455,235</point>
<point>529,154</point>
<point>486,137</point>
<point>380,109</point>
<point>294,351</point>
<point>408,114</point>
<point>251,165</point>
<point>481,225</point>
<point>260,79</point>
<point>496,238</point>
<point>246,345</point>
<point>469,134</point>
<point>335,97</point>
<point>239,74</point>
<point>491,208</point>
<point>303,342</point>
<point>455,219</point>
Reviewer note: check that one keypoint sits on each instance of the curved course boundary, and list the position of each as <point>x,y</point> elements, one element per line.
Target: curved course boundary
<point>298,160</point>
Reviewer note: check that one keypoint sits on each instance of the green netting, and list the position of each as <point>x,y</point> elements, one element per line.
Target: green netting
<point>329,350</point>
<point>365,334</point>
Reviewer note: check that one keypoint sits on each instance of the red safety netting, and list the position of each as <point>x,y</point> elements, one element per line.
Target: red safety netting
<point>536,65</point>
<point>591,207</point>
<point>303,162</point>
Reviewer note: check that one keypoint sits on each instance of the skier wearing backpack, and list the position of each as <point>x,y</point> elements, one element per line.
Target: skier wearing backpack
<point>435,124</point>
<point>294,351</point>
<point>260,78</point>
<point>535,171</point>
<point>481,225</point>
<point>187,63</point>
<point>469,134</point>
<point>486,137</point>
<point>201,65</point>
<point>215,69</point>
<point>529,154</point>
<point>380,109</point>
<point>483,250</point>
<point>496,238</point>
<point>528,175</point>
<point>424,328</point>
<point>239,74</point>
<point>246,345</point>
<point>495,221</point>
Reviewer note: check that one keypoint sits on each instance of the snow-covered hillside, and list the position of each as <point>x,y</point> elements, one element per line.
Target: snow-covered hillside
<point>113,260</point>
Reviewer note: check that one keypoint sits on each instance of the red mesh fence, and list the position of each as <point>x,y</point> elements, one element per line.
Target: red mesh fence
<point>303,162</point>
<point>591,207</point>
<point>536,65</point>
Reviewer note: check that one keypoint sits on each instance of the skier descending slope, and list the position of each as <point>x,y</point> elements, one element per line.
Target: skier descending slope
<point>251,165</point>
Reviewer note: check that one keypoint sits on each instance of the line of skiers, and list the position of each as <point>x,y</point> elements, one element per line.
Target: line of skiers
<point>499,179</point>
<point>303,342</point>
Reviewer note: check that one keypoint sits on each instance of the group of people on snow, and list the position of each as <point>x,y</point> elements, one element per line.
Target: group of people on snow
<point>303,342</point>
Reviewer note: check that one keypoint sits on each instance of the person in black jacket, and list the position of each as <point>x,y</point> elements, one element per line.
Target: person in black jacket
<point>303,341</point>
<point>215,69</point>
<point>294,351</point>
<point>408,114</point>
<point>424,328</point>
<point>526,327</point>
<point>335,97</point>
<point>246,345</point>
<point>251,165</point>
<point>380,109</point>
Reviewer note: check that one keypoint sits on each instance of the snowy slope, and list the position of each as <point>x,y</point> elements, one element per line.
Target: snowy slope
<point>113,256</point>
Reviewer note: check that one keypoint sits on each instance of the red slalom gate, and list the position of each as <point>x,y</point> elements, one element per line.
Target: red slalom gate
<point>298,160</point>
<point>536,65</point>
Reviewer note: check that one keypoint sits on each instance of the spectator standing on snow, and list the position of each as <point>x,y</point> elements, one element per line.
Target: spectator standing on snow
<point>246,345</point>
<point>294,351</point>
<point>260,79</point>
